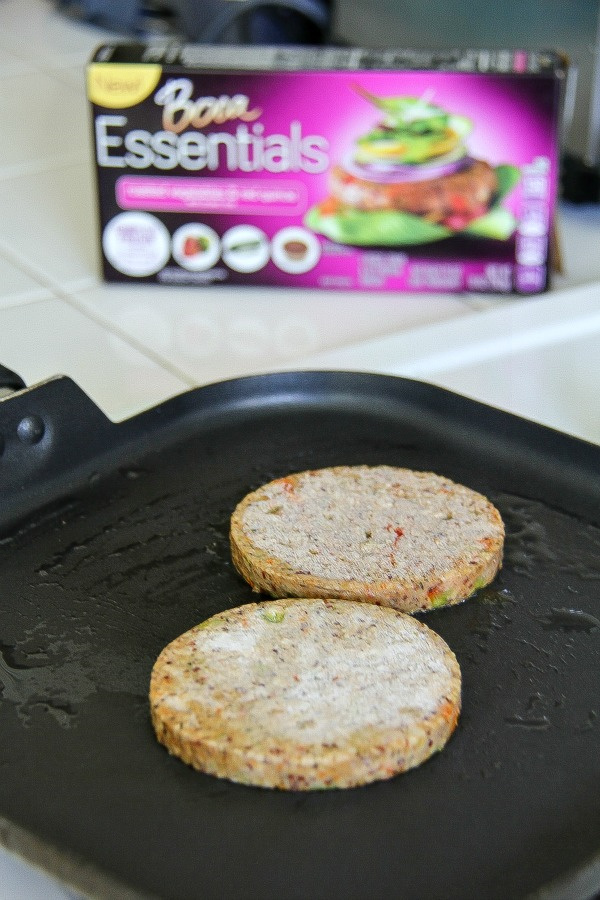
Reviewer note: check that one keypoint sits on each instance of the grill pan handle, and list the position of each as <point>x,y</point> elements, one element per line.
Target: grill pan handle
<point>52,439</point>
<point>9,381</point>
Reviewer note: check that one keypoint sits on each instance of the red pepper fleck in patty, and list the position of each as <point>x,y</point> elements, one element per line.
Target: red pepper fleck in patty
<point>397,531</point>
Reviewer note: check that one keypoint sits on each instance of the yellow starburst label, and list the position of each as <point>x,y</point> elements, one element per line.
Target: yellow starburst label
<point>120,85</point>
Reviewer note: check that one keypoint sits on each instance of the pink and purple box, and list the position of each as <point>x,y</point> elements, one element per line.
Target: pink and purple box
<point>332,168</point>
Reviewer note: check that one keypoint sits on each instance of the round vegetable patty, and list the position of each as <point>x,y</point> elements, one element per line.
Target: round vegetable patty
<point>304,694</point>
<point>406,539</point>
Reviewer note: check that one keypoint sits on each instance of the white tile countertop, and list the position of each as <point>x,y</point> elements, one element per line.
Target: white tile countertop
<point>131,347</point>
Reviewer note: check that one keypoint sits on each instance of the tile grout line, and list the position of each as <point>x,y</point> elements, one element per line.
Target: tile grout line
<point>16,259</point>
<point>150,354</point>
<point>58,292</point>
<point>66,296</point>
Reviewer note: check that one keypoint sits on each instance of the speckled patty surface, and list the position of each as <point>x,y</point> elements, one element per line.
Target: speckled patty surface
<point>407,539</point>
<point>304,694</point>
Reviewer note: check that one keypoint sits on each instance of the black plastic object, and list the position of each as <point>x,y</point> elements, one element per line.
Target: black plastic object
<point>579,181</point>
<point>212,21</point>
<point>259,21</point>
<point>10,380</point>
<point>114,539</point>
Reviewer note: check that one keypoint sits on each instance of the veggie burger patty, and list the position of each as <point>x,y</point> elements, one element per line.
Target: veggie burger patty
<point>402,538</point>
<point>303,694</point>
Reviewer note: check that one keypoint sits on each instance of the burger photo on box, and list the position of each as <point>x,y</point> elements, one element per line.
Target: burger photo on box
<point>411,180</point>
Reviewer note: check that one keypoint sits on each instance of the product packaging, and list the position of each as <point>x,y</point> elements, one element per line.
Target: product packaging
<point>333,168</point>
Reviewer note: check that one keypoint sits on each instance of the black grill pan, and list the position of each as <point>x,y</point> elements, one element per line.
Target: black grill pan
<point>113,540</point>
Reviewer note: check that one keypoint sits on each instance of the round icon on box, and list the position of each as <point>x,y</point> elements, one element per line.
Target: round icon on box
<point>136,244</point>
<point>245,248</point>
<point>196,247</point>
<point>295,250</point>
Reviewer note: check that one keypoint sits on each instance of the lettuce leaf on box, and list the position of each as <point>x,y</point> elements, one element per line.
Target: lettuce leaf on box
<point>394,228</point>
<point>508,177</point>
<point>499,223</point>
<point>382,228</point>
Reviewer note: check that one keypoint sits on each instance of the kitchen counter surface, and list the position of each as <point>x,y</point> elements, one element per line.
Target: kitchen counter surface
<point>131,347</point>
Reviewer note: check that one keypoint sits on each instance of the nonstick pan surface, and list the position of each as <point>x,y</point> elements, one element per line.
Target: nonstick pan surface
<point>114,540</point>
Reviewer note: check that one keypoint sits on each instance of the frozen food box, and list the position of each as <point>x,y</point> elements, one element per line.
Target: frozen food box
<point>327,168</point>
